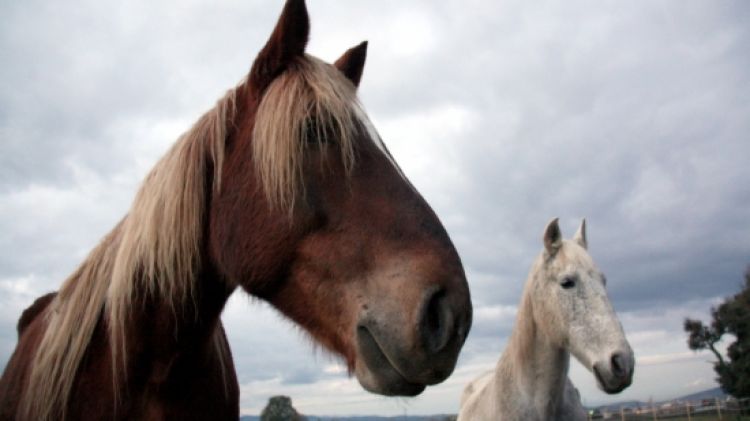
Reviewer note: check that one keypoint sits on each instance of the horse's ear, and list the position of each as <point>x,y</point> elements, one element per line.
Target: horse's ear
<point>352,62</point>
<point>580,236</point>
<point>287,42</point>
<point>552,237</point>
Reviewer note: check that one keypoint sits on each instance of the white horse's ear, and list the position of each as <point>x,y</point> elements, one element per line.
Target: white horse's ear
<point>552,237</point>
<point>580,236</point>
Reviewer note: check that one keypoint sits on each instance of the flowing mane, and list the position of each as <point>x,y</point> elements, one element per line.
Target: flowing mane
<point>155,250</point>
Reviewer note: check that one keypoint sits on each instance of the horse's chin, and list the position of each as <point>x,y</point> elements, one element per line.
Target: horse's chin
<point>376,373</point>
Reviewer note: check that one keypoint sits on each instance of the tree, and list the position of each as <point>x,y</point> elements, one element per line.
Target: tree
<point>279,408</point>
<point>732,317</point>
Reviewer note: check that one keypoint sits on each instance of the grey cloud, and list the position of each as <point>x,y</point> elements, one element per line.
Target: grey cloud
<point>304,376</point>
<point>633,118</point>
<point>97,65</point>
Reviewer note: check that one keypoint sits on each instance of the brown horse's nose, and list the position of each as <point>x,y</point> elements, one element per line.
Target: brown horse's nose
<point>438,323</point>
<point>421,348</point>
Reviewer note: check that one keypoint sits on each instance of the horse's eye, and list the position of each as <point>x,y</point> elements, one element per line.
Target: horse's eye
<point>311,132</point>
<point>568,282</point>
<point>316,133</point>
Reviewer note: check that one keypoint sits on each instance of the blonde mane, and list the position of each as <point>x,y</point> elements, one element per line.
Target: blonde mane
<point>155,250</point>
<point>310,99</point>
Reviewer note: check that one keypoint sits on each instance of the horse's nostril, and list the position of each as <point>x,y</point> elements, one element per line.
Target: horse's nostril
<point>437,322</point>
<point>618,365</point>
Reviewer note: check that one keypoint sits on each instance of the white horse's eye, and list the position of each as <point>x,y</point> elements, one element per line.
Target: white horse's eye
<point>568,282</point>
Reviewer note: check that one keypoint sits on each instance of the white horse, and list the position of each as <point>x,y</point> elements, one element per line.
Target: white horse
<point>564,310</point>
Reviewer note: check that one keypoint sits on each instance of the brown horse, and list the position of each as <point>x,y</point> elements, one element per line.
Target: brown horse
<point>285,190</point>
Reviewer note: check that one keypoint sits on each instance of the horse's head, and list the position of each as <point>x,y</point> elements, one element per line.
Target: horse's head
<point>569,296</point>
<point>314,216</point>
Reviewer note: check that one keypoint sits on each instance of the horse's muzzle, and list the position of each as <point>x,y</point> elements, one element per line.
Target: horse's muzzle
<point>396,357</point>
<point>615,375</point>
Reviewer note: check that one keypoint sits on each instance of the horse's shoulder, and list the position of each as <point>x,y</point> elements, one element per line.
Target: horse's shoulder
<point>34,310</point>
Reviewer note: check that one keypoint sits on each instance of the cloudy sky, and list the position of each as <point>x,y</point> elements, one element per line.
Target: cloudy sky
<point>504,114</point>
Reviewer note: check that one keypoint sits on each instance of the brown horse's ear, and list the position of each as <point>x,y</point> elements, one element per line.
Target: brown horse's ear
<point>287,42</point>
<point>580,236</point>
<point>352,62</point>
<point>552,237</point>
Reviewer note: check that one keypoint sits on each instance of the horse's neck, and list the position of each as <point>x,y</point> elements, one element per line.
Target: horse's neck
<point>532,368</point>
<point>161,333</point>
